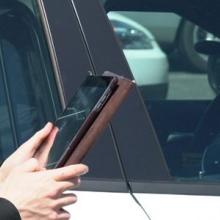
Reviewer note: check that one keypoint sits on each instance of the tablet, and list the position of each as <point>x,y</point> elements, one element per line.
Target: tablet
<point>78,116</point>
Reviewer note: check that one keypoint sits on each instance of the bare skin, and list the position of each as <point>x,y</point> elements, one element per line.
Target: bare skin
<point>36,192</point>
<point>38,146</point>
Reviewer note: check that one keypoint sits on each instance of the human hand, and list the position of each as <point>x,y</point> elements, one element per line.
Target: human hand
<point>38,194</point>
<point>37,146</point>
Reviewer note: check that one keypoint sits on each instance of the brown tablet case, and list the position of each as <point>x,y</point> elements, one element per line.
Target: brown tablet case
<point>102,120</point>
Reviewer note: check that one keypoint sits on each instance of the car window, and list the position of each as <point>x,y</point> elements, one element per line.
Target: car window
<point>28,95</point>
<point>174,74</point>
<point>150,42</point>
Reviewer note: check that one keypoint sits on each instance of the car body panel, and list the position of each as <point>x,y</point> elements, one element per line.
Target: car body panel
<point>102,205</point>
<point>181,207</point>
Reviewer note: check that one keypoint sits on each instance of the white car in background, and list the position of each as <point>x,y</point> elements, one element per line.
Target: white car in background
<point>176,35</point>
<point>147,61</point>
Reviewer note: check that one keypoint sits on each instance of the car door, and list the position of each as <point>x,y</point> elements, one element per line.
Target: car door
<point>76,57</point>
<point>71,39</point>
<point>39,71</point>
<point>143,167</point>
<point>175,118</point>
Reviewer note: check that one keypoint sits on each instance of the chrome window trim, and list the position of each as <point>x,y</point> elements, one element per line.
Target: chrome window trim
<point>52,52</point>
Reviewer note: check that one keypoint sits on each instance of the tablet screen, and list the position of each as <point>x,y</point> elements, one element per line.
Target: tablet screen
<point>75,115</point>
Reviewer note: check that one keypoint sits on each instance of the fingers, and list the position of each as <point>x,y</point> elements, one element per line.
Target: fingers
<point>43,152</point>
<point>60,214</point>
<point>58,188</point>
<point>27,150</point>
<point>68,172</point>
<point>68,185</point>
<point>35,141</point>
<point>65,200</point>
<point>30,165</point>
<point>63,215</point>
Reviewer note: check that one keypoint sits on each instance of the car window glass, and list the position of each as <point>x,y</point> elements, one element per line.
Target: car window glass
<point>28,97</point>
<point>6,137</point>
<point>150,42</point>
<point>179,86</point>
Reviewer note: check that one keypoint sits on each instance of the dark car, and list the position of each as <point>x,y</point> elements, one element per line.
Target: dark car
<point>152,146</point>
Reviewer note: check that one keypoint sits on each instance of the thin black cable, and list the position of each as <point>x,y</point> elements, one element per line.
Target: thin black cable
<point>94,71</point>
<point>110,126</point>
<point>124,172</point>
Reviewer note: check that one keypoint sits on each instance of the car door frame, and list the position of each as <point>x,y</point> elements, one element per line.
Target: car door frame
<point>109,56</point>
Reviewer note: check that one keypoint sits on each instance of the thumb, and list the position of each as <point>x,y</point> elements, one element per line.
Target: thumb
<point>30,165</point>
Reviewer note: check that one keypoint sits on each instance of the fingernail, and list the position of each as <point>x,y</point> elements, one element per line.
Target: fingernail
<point>67,216</point>
<point>47,124</point>
<point>85,171</point>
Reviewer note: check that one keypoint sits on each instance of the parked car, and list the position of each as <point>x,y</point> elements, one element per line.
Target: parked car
<point>47,48</point>
<point>176,34</point>
<point>147,61</point>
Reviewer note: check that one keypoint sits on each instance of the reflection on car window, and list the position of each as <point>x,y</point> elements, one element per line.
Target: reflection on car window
<point>130,37</point>
<point>28,92</point>
<point>180,87</point>
<point>147,61</point>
